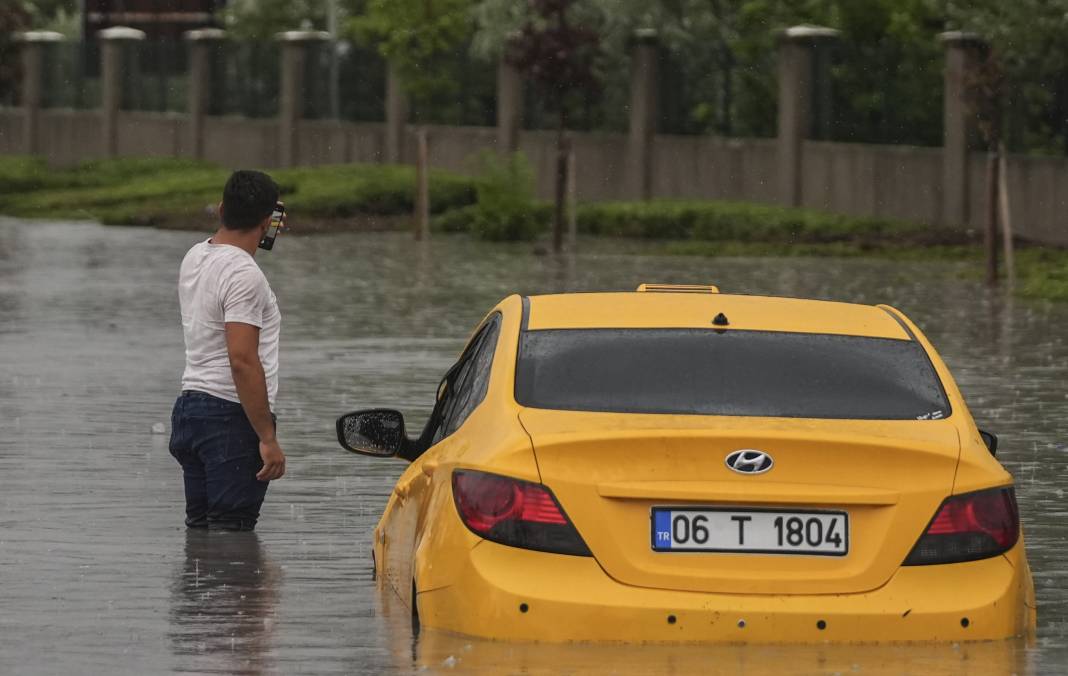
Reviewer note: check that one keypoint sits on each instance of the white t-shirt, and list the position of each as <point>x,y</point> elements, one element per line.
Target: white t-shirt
<point>220,283</point>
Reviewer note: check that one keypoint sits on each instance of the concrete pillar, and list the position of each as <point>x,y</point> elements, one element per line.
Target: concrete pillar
<point>963,51</point>
<point>509,107</point>
<point>291,91</point>
<point>112,44</point>
<point>33,46</point>
<point>201,44</point>
<point>798,90</point>
<point>642,128</point>
<point>396,116</point>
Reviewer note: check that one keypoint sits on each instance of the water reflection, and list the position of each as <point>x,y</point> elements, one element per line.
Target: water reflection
<point>223,603</point>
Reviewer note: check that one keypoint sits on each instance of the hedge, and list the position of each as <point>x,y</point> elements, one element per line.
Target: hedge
<point>150,191</point>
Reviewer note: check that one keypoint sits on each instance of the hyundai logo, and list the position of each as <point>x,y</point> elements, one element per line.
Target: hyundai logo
<point>748,461</point>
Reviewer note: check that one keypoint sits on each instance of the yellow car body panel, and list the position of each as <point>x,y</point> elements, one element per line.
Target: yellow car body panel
<point>917,465</point>
<point>689,310</point>
<point>571,599</point>
<point>609,469</point>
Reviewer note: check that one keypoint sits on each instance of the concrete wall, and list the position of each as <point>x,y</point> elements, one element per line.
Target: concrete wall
<point>899,182</point>
<point>153,134</point>
<point>332,142</point>
<point>864,180</point>
<point>11,130</point>
<point>69,136</point>
<point>714,168</point>
<point>234,141</point>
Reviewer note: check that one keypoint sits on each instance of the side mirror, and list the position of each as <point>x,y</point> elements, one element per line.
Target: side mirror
<point>378,432</point>
<point>991,441</point>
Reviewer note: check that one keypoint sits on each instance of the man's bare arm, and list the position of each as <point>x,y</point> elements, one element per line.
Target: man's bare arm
<point>243,346</point>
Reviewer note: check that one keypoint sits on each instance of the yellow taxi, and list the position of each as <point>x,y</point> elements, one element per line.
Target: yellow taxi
<point>681,465</point>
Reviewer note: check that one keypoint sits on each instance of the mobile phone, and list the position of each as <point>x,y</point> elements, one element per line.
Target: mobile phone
<point>277,219</point>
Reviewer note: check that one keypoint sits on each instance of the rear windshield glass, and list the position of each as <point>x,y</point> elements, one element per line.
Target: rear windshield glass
<point>743,373</point>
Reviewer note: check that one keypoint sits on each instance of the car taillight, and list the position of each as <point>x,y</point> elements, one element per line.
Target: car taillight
<point>514,512</point>
<point>969,527</point>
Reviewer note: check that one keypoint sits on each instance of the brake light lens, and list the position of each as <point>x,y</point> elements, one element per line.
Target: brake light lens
<point>515,513</point>
<point>969,527</point>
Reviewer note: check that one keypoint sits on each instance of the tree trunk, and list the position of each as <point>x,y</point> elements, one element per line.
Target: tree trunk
<point>422,188</point>
<point>1005,212</point>
<point>572,201</point>
<point>990,238</point>
<point>561,184</point>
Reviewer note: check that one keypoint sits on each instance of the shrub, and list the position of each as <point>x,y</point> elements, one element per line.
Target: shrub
<point>506,210</point>
<point>349,190</point>
<point>149,191</point>
<point>740,222</point>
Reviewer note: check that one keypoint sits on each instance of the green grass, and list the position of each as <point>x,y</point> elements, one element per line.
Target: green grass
<point>714,221</point>
<point>887,250</point>
<point>155,191</point>
<point>1042,273</point>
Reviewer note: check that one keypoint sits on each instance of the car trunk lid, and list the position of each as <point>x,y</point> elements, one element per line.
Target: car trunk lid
<point>610,470</point>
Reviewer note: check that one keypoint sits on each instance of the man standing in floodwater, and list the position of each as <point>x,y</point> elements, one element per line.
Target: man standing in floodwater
<point>222,427</point>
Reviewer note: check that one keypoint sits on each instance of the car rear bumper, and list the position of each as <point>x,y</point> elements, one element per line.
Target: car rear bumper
<point>514,594</point>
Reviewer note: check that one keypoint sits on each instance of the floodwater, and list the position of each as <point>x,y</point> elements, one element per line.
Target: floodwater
<point>98,574</point>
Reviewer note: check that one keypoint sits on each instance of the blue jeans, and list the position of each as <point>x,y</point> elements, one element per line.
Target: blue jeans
<point>220,455</point>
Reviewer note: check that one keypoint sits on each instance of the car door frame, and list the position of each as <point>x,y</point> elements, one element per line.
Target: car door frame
<point>405,517</point>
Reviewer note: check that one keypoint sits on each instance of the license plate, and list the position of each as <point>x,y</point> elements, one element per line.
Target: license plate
<point>750,531</point>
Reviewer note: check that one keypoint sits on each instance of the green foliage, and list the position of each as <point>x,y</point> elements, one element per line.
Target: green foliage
<point>126,191</point>
<point>349,190</point>
<point>417,36</point>
<point>1043,273</point>
<point>18,174</point>
<point>1028,41</point>
<point>180,192</point>
<point>719,74</point>
<point>13,18</point>
<point>262,19</point>
<point>742,222</point>
<point>505,210</point>
<point>455,221</point>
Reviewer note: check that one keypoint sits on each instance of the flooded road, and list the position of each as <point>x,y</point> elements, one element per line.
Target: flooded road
<point>98,573</point>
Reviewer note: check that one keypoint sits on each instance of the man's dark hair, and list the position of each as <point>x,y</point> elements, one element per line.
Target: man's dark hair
<point>248,198</point>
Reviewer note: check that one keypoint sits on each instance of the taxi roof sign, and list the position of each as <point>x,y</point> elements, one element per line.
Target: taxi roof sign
<point>678,288</point>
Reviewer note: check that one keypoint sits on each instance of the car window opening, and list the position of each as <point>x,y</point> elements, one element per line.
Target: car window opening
<point>733,373</point>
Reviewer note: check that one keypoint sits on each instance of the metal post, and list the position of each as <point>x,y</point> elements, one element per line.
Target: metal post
<point>798,89</point>
<point>33,46</point>
<point>642,128</point>
<point>201,44</point>
<point>962,53</point>
<point>112,43</point>
<point>291,99</point>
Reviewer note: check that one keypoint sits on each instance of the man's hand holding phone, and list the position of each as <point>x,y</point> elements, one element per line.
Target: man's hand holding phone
<point>277,224</point>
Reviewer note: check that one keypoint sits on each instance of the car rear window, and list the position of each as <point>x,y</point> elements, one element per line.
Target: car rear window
<point>732,372</point>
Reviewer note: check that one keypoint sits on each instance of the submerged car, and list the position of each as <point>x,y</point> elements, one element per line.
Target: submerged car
<point>677,464</point>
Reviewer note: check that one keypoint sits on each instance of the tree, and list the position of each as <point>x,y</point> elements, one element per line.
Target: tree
<point>1027,38</point>
<point>558,57</point>
<point>261,20</point>
<point>61,16</point>
<point>419,38</point>
<point>13,18</point>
